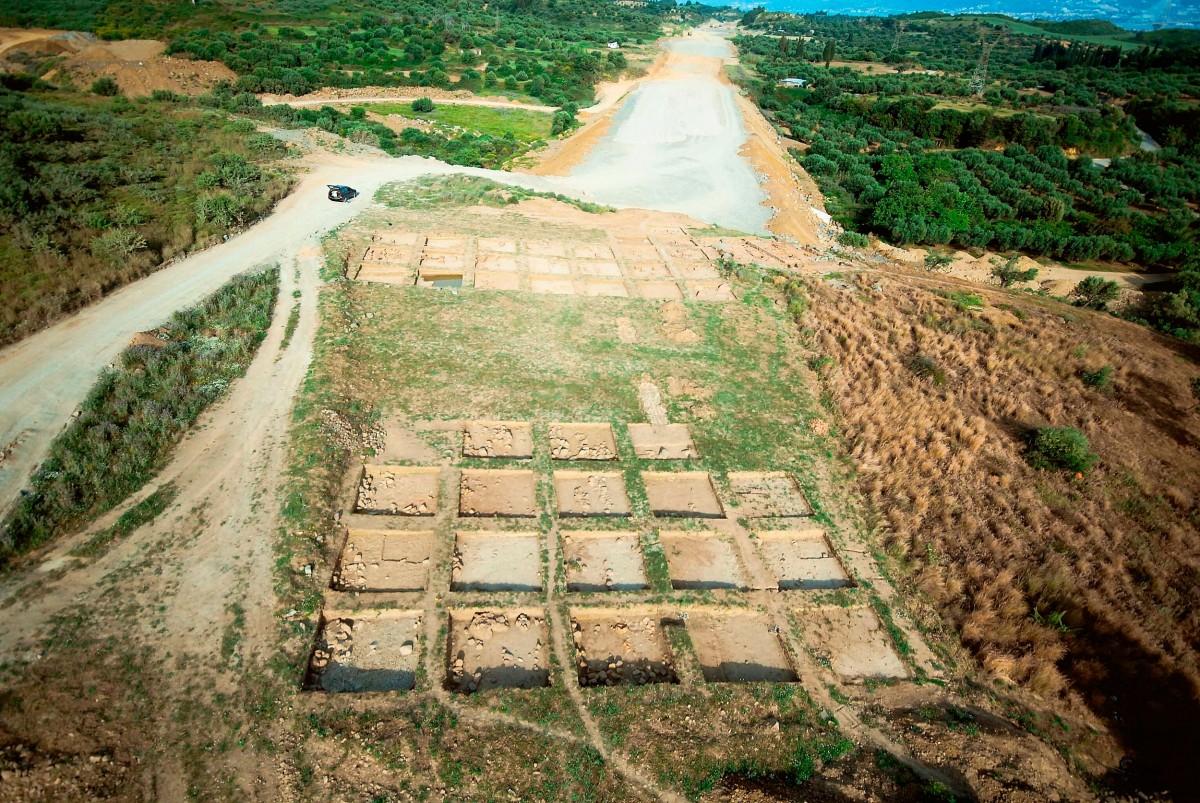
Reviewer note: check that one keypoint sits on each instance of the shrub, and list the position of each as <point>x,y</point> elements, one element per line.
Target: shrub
<point>423,105</point>
<point>105,86</point>
<point>853,239</point>
<point>117,245</point>
<point>1008,274</point>
<point>1060,448</point>
<point>1100,378</point>
<point>936,261</point>
<point>1095,292</point>
<point>223,210</point>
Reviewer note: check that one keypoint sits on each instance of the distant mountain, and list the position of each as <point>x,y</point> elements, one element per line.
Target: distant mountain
<point>1129,14</point>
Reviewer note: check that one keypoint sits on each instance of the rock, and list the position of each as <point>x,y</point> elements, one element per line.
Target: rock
<point>406,648</point>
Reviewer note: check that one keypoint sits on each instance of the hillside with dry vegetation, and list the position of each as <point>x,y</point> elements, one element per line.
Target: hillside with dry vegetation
<point>1079,586</point>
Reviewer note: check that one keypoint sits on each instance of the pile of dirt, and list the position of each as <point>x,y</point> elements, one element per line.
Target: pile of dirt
<point>137,65</point>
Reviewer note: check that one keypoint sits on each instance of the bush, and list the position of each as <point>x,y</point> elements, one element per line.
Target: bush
<point>423,105</point>
<point>937,262</point>
<point>105,86</point>
<point>853,239</point>
<point>1095,292</point>
<point>117,245</point>
<point>1060,448</point>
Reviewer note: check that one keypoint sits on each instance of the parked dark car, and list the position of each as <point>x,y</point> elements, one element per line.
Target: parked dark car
<point>341,193</point>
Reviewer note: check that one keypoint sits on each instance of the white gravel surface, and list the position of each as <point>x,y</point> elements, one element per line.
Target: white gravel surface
<point>674,146</point>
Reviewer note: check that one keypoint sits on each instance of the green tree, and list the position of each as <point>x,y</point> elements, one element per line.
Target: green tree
<point>423,105</point>
<point>829,52</point>
<point>1095,292</point>
<point>1008,274</point>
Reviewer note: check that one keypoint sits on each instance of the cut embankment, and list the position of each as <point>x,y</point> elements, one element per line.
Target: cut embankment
<point>140,409</point>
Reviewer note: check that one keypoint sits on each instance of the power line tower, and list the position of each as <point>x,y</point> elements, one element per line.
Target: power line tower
<point>979,79</point>
<point>900,26</point>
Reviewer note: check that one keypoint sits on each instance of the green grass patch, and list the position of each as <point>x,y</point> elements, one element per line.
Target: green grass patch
<point>524,124</point>
<point>435,192</point>
<point>143,512</point>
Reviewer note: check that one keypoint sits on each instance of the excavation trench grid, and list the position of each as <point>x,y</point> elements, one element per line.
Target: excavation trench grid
<point>582,441</point>
<point>763,494</point>
<point>591,493</point>
<point>512,439</point>
<point>620,647</point>
<point>497,492</point>
<point>738,647</point>
<point>662,442</point>
<point>603,561</point>
<point>367,651</point>
<point>498,648</point>
<point>701,560</point>
<point>682,494</point>
<point>853,640</point>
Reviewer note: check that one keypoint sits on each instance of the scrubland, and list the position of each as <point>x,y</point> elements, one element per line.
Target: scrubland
<point>1080,587</point>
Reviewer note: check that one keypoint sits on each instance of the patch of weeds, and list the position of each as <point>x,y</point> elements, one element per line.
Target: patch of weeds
<point>139,409</point>
<point>889,623</point>
<point>1020,314</point>
<point>963,301</point>
<point>290,329</point>
<point>142,513</point>
<point>926,367</point>
<point>1100,379</point>
<point>434,192</point>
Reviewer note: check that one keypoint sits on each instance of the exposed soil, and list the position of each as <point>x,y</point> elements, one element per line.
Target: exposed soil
<point>379,652</point>
<point>398,490</point>
<point>701,560</point>
<point>662,442</point>
<point>603,561</point>
<point>768,494</point>
<point>497,492</point>
<point>582,442</point>
<point>591,493</point>
<point>802,559</point>
<point>738,648</point>
<point>137,65</point>
<point>498,649</point>
<point>385,560</point>
<point>497,561</point>
<point>853,641</point>
<point>617,647</point>
<point>497,439</point>
<point>684,493</point>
